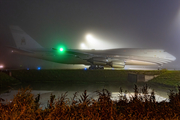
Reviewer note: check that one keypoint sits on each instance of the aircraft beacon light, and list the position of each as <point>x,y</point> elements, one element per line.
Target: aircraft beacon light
<point>61,49</point>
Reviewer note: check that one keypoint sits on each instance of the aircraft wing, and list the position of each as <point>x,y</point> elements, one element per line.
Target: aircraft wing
<point>73,52</point>
<point>97,58</point>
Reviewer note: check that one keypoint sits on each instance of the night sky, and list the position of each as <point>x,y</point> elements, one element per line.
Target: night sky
<point>118,23</point>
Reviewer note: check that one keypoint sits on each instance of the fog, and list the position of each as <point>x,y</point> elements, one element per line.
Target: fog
<point>116,24</point>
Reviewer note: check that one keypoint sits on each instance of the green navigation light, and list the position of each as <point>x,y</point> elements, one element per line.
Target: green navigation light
<point>61,49</point>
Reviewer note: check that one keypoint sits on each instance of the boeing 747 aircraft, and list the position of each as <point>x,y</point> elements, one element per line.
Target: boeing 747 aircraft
<point>96,59</point>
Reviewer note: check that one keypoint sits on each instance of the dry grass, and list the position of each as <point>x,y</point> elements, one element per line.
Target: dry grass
<point>140,106</point>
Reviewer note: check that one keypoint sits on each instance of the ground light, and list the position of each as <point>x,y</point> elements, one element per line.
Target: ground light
<point>39,68</point>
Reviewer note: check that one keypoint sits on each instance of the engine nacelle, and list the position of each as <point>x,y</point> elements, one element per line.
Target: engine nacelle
<point>118,64</point>
<point>98,61</point>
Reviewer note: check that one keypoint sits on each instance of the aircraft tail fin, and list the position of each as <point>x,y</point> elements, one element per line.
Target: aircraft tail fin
<point>22,39</point>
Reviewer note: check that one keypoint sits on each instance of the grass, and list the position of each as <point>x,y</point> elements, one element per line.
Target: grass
<point>6,81</point>
<point>140,106</point>
<point>69,75</point>
<point>75,75</point>
<point>86,77</point>
<point>168,78</point>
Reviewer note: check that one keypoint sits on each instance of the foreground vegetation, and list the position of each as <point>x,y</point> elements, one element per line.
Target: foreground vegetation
<point>140,106</point>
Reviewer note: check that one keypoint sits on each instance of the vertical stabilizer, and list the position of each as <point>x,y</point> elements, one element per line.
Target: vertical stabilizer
<point>22,39</point>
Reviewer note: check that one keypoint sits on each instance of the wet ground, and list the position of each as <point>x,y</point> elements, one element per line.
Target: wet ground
<point>57,89</point>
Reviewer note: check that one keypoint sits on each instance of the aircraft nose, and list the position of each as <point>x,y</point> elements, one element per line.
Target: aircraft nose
<point>174,58</point>
<point>171,57</point>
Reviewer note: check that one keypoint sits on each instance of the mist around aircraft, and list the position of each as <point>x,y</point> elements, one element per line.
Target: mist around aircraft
<point>96,59</point>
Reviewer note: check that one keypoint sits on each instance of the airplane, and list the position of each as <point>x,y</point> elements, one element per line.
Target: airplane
<point>96,59</point>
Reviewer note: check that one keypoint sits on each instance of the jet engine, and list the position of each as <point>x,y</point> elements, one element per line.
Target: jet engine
<point>98,61</point>
<point>117,64</point>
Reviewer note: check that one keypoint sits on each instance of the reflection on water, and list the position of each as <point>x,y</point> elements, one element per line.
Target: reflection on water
<point>46,89</point>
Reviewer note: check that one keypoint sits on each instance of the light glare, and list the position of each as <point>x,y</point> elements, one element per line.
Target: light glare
<point>61,49</point>
<point>89,37</point>
<point>98,44</point>
<point>83,46</point>
<point>1,66</point>
<point>39,68</point>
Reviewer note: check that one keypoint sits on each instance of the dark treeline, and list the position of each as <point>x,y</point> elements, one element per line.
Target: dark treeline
<point>142,105</point>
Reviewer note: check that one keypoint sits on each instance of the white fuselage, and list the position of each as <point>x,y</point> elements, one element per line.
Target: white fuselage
<point>130,56</point>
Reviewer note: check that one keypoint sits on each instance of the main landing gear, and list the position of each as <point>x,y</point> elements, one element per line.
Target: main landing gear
<point>92,67</point>
<point>160,66</point>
